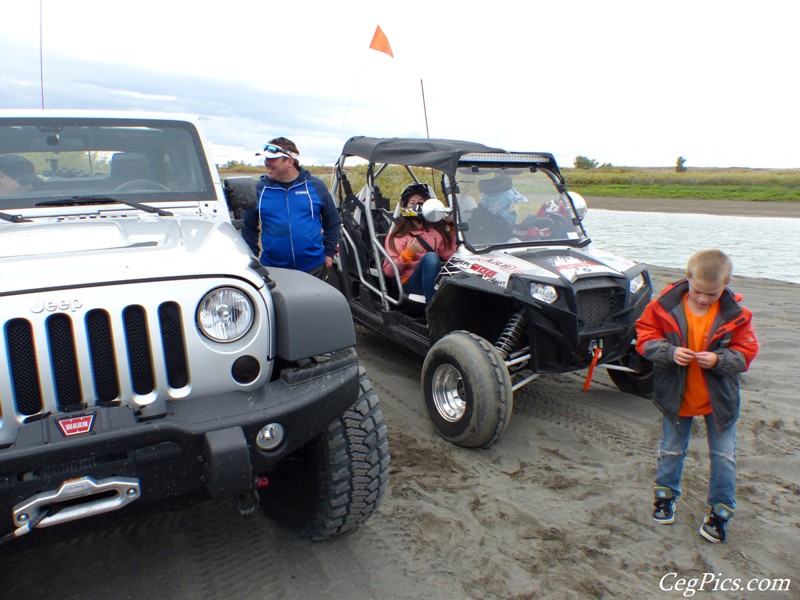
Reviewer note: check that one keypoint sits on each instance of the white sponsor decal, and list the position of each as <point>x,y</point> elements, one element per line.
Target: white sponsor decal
<point>570,266</point>
<point>489,269</point>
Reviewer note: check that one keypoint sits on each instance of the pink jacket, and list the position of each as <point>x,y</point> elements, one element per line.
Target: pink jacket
<point>406,260</point>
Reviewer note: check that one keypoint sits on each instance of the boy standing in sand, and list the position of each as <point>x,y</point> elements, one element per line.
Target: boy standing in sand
<point>699,338</point>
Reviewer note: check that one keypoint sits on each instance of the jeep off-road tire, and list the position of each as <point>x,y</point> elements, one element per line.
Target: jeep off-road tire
<point>467,390</point>
<point>337,480</point>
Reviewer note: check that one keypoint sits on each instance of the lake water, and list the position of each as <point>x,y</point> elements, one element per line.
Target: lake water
<point>758,246</point>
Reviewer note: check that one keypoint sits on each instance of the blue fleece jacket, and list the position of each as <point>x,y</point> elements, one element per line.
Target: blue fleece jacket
<point>294,227</point>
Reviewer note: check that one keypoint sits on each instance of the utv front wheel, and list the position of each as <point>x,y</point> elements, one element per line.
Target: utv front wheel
<point>338,479</point>
<point>467,390</point>
<point>639,380</point>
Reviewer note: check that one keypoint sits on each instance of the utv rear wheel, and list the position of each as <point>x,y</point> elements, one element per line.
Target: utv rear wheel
<point>338,479</point>
<point>638,381</point>
<point>467,390</point>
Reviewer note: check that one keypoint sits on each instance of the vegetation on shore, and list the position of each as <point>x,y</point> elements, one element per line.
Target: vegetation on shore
<point>781,185</point>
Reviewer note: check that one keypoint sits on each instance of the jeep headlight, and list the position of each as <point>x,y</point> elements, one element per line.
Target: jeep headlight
<point>637,283</point>
<point>544,293</point>
<point>225,315</point>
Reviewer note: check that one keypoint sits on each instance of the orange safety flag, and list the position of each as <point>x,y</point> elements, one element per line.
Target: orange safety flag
<point>380,43</point>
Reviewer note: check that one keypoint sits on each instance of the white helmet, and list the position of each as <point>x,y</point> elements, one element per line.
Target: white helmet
<point>579,202</point>
<point>466,204</point>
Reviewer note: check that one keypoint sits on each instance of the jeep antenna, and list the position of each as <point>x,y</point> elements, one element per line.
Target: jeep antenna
<point>41,54</point>
<point>424,109</point>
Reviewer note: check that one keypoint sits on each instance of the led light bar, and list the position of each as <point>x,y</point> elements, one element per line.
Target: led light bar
<point>505,157</point>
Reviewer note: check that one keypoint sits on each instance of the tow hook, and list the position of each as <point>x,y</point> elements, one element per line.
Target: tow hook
<point>76,499</point>
<point>596,349</point>
<point>247,504</point>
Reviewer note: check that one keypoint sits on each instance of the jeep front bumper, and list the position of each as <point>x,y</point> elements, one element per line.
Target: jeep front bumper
<point>200,445</point>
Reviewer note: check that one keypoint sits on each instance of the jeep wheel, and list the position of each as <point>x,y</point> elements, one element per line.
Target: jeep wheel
<point>639,381</point>
<point>467,390</point>
<point>337,480</point>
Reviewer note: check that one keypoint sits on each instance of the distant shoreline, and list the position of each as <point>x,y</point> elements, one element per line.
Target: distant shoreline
<point>743,208</point>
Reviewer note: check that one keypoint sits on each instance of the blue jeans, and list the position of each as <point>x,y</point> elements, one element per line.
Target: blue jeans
<point>424,276</point>
<point>721,449</point>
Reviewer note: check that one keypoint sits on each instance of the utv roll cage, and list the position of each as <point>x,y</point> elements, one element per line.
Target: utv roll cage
<point>367,217</point>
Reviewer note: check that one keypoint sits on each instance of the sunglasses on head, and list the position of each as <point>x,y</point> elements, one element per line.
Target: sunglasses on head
<point>277,150</point>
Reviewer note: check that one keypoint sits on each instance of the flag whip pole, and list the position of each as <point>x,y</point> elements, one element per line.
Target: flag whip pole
<point>424,109</point>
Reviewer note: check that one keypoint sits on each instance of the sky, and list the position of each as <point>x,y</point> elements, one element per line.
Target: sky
<point>627,83</point>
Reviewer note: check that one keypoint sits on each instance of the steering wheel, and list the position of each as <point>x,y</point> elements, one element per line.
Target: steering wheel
<point>141,185</point>
<point>559,220</point>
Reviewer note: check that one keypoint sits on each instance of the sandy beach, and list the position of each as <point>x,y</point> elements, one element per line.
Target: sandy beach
<point>560,507</point>
<point>712,207</point>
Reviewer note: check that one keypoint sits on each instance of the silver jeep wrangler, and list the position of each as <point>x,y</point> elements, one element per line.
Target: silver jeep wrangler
<point>147,354</point>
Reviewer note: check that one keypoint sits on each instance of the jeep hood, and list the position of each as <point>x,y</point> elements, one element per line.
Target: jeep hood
<point>543,264</point>
<point>58,253</point>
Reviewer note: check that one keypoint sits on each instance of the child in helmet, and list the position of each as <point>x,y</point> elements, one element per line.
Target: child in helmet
<point>416,246</point>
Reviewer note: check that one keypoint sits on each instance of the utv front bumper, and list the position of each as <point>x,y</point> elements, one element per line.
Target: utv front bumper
<point>599,313</point>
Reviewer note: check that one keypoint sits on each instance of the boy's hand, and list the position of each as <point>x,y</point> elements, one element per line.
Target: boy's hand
<point>683,356</point>
<point>706,360</point>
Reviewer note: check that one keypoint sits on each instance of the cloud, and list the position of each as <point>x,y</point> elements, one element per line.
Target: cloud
<point>639,84</point>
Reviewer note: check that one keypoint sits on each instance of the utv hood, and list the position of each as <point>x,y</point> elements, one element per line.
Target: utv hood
<point>546,264</point>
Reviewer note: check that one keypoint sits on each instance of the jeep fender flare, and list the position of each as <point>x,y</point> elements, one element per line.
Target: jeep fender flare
<point>311,316</point>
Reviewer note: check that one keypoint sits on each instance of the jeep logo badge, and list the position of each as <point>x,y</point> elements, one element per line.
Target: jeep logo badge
<point>76,425</point>
<point>62,305</point>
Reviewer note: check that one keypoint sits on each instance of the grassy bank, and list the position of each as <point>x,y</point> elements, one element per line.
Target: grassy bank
<point>780,185</point>
<point>760,185</point>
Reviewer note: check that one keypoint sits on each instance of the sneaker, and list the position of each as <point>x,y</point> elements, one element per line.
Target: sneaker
<point>664,512</point>
<point>713,527</point>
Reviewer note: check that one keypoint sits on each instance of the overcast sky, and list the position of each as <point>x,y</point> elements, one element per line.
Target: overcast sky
<point>631,83</point>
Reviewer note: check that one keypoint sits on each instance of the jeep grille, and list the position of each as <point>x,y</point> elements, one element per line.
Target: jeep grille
<point>59,338</point>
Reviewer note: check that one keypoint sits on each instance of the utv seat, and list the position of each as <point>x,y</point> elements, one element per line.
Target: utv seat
<point>382,221</point>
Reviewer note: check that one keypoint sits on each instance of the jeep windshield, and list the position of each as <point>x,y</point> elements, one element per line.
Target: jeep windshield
<point>507,205</point>
<point>73,161</point>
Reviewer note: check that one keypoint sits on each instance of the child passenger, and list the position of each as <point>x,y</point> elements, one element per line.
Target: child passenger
<point>699,338</point>
<point>417,247</point>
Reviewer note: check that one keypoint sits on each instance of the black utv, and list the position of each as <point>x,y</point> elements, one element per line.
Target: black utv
<point>523,295</point>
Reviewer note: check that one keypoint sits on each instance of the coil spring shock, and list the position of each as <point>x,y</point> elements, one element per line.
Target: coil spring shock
<point>511,334</point>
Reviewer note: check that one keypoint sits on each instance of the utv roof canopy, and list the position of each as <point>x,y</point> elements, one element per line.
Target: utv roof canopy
<point>440,154</point>
<point>416,152</point>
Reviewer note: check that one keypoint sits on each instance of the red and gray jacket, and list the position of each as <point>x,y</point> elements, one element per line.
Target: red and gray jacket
<point>662,328</point>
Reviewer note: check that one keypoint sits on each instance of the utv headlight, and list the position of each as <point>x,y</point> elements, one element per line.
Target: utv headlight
<point>544,293</point>
<point>637,283</point>
<point>225,315</point>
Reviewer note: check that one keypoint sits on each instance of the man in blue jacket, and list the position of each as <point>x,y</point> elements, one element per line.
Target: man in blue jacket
<point>295,224</point>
